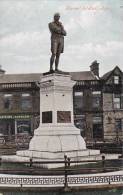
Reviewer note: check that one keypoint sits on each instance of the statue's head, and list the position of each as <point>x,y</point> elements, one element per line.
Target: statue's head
<point>56,16</point>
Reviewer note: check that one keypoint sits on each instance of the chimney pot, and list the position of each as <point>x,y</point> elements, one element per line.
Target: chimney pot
<point>95,68</point>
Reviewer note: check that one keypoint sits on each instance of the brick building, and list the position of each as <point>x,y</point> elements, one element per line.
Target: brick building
<point>19,103</point>
<point>98,103</point>
<point>113,105</point>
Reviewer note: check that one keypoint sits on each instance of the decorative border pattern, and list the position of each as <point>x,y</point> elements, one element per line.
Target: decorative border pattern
<point>60,180</point>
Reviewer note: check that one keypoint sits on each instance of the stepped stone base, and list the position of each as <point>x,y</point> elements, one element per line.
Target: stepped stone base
<point>52,143</point>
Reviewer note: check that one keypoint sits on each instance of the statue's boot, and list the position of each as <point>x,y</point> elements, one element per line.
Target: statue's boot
<point>56,67</point>
<point>56,63</point>
<point>51,67</point>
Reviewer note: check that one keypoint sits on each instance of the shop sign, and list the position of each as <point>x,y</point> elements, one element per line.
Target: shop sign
<point>14,116</point>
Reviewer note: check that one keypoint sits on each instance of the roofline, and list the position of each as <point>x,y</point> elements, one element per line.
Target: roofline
<point>111,73</point>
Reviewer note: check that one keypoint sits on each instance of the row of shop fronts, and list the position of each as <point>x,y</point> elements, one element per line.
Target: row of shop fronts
<point>24,124</point>
<point>91,127</point>
<point>12,125</point>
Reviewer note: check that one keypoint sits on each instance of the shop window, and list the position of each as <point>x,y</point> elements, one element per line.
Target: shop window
<point>97,127</point>
<point>7,126</point>
<point>117,101</point>
<point>96,99</point>
<point>23,126</point>
<point>78,102</point>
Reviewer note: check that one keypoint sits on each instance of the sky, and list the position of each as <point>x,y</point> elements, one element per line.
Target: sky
<point>94,32</point>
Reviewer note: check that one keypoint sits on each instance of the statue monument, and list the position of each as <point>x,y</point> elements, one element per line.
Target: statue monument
<point>56,135</point>
<point>57,40</point>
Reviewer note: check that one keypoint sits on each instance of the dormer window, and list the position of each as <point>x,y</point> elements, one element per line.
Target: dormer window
<point>116,79</point>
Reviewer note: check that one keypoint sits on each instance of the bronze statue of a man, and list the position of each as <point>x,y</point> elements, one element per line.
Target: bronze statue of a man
<point>57,40</point>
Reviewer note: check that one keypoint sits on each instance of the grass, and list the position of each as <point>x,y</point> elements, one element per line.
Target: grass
<point>19,168</point>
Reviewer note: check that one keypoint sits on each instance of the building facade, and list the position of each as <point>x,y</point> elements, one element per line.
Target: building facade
<point>113,105</point>
<point>98,106</point>
<point>19,103</point>
<point>97,101</point>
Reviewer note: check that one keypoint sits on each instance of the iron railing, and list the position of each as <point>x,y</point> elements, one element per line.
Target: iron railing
<point>65,176</point>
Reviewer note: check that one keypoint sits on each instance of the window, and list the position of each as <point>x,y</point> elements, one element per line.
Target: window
<point>80,122</point>
<point>25,104</point>
<point>7,95</point>
<point>117,101</point>
<point>78,93</point>
<point>25,101</point>
<point>8,101</point>
<point>96,92</point>
<point>23,126</point>
<point>116,79</point>
<point>25,95</point>
<point>97,127</point>
<point>96,100</point>
<point>97,119</point>
<point>78,102</point>
<point>118,125</point>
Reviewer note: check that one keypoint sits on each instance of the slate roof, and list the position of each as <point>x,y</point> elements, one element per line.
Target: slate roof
<point>105,76</point>
<point>33,77</point>
<point>16,78</point>
<point>84,75</point>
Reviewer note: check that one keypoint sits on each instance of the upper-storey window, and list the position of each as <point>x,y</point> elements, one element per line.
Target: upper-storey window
<point>78,102</point>
<point>25,95</point>
<point>96,99</point>
<point>116,79</point>
<point>25,101</point>
<point>117,101</point>
<point>8,101</point>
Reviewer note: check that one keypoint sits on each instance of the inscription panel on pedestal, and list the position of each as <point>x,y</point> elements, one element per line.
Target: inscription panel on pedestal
<point>63,116</point>
<point>47,117</point>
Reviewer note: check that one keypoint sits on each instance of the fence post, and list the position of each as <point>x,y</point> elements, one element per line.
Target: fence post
<point>103,163</point>
<point>65,161</point>
<point>0,161</point>
<point>30,162</point>
<point>68,162</point>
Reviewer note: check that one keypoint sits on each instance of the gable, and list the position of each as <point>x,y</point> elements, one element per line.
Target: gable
<point>113,76</point>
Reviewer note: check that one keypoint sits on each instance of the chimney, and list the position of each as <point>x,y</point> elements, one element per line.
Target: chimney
<point>95,68</point>
<point>1,71</point>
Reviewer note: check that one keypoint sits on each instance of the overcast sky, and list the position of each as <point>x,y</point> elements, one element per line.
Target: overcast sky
<point>94,32</point>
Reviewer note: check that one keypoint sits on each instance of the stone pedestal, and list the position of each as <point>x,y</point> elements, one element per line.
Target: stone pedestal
<point>56,136</point>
